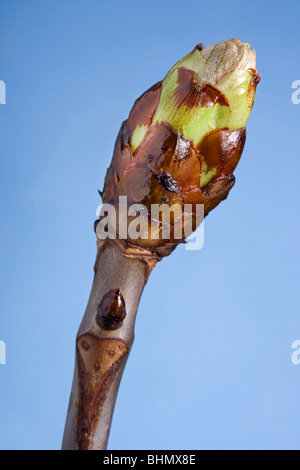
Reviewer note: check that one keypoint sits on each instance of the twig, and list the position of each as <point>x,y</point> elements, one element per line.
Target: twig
<point>101,354</point>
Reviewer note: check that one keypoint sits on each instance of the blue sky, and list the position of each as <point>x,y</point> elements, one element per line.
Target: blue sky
<point>211,364</point>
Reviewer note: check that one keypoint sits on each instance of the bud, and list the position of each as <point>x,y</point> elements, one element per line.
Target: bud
<point>184,136</point>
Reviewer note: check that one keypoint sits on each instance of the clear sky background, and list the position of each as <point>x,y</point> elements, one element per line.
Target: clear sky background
<point>211,364</point>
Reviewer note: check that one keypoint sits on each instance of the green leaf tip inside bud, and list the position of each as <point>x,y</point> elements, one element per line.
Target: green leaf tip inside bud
<point>137,136</point>
<point>209,89</point>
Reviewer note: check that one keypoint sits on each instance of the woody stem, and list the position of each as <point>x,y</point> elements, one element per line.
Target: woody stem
<point>101,353</point>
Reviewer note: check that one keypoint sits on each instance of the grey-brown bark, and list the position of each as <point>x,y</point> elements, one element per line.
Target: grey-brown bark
<point>101,353</point>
